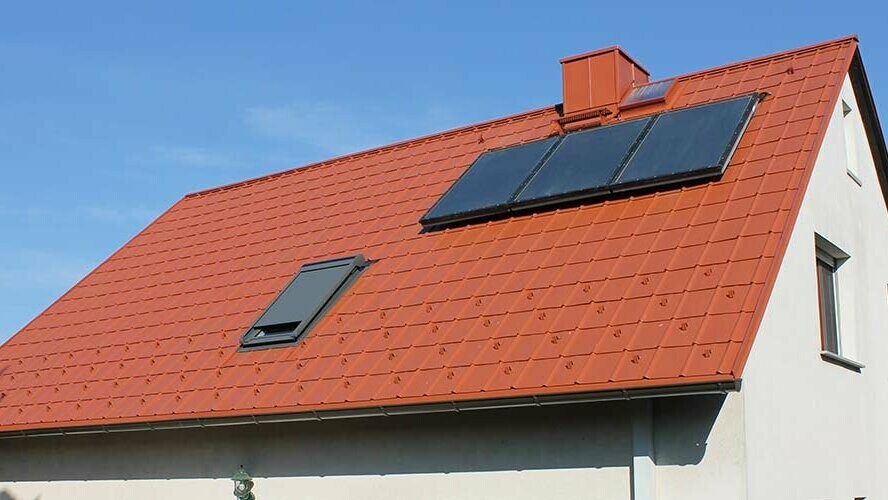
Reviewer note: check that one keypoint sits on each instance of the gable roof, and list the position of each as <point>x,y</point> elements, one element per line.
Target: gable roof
<point>659,289</point>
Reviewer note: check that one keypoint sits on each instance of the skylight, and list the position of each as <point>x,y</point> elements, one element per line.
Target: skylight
<point>646,94</point>
<point>303,301</point>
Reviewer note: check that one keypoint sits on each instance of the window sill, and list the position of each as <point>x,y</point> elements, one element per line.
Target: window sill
<point>854,177</point>
<point>842,361</point>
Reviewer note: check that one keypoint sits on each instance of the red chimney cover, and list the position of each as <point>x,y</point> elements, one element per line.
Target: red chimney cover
<point>599,79</point>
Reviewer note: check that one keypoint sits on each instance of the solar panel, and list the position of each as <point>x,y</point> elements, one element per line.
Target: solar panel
<point>488,185</point>
<point>583,163</point>
<point>645,94</point>
<point>688,143</point>
<point>685,144</point>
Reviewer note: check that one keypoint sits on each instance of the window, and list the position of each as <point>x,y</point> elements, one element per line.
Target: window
<point>829,310</point>
<point>303,301</point>
<point>828,262</point>
<point>848,129</point>
<point>648,93</point>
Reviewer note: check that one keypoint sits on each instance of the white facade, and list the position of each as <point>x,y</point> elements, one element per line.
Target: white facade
<point>572,452</point>
<point>800,428</point>
<point>815,429</point>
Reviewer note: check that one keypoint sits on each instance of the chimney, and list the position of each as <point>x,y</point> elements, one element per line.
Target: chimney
<point>597,80</point>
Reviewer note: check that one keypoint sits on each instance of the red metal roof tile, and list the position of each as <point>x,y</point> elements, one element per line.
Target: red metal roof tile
<point>657,289</point>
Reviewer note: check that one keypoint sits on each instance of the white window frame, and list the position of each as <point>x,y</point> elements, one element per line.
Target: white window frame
<point>830,257</point>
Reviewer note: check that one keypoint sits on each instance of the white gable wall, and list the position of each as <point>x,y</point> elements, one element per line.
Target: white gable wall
<point>814,429</point>
<point>721,471</point>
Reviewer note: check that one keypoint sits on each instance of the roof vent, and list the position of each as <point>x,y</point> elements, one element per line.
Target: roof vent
<point>597,80</point>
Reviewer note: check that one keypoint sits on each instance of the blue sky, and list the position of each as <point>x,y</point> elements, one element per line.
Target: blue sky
<point>111,111</point>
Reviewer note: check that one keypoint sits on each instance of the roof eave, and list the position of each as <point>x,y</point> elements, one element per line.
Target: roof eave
<point>695,389</point>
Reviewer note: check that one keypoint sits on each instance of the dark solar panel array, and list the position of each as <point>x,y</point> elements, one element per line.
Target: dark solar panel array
<point>674,146</point>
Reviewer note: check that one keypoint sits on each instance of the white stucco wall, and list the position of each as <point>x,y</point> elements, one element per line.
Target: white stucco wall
<point>815,430</point>
<point>721,472</point>
<point>485,485</point>
<point>532,453</point>
<point>567,452</point>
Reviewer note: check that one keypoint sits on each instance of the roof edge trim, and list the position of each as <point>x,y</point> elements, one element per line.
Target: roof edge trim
<point>374,150</point>
<point>872,125</point>
<point>92,271</point>
<point>696,389</point>
<point>493,121</point>
<point>847,38</point>
<point>789,225</point>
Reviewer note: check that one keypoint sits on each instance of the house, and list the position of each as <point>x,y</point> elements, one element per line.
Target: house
<point>670,289</point>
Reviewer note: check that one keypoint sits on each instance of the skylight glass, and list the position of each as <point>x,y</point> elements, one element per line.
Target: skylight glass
<point>646,94</point>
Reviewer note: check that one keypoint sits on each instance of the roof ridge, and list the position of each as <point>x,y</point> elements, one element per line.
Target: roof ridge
<point>373,151</point>
<point>494,121</point>
<point>804,48</point>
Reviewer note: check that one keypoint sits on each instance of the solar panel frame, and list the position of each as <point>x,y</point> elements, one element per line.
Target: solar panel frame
<point>515,204</point>
<point>714,170</point>
<point>430,219</point>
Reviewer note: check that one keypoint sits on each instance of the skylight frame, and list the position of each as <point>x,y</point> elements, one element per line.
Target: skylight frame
<point>264,335</point>
<point>625,104</point>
